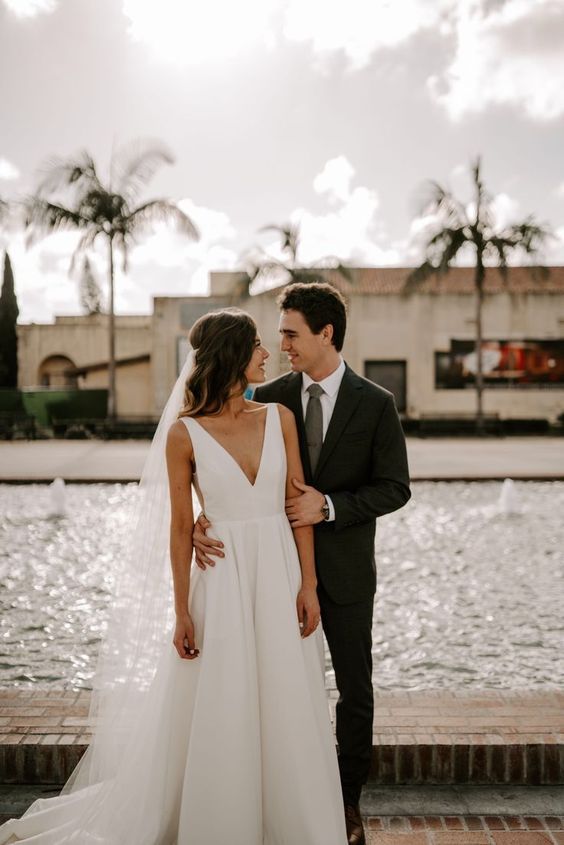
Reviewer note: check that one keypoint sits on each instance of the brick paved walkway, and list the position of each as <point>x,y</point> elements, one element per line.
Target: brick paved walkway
<point>419,737</point>
<point>465,830</point>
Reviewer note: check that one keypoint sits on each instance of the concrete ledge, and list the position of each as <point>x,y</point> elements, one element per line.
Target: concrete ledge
<point>446,459</point>
<point>442,815</point>
<point>447,737</point>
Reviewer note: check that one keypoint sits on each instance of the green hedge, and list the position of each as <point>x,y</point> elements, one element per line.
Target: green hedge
<point>11,401</point>
<point>68,404</point>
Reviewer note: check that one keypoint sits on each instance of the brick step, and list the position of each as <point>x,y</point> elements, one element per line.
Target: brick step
<point>506,816</point>
<point>465,830</point>
<point>447,737</point>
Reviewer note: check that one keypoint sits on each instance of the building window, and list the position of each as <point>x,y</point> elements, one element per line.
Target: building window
<point>506,363</point>
<point>392,376</point>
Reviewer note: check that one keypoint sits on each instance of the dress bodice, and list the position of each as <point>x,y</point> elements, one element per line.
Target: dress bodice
<point>225,492</point>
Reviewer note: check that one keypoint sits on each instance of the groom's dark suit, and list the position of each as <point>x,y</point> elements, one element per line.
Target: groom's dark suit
<point>363,468</point>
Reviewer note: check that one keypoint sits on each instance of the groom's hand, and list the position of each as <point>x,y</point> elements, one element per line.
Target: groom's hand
<point>204,546</point>
<point>305,509</point>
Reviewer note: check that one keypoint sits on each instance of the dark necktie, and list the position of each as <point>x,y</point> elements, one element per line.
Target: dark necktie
<point>314,424</point>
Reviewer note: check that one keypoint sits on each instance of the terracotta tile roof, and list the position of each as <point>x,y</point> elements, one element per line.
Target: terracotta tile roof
<point>390,280</point>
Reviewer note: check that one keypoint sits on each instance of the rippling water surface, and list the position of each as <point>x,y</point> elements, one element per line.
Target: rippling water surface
<point>467,595</point>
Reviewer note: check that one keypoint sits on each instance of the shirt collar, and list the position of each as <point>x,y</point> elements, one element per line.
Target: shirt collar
<point>331,384</point>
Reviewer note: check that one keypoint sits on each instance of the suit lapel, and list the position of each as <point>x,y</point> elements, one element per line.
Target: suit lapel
<point>348,397</point>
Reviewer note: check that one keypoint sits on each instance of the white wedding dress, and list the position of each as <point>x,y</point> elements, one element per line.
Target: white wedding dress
<point>235,747</point>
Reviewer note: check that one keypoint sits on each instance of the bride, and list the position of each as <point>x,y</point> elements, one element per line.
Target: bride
<point>211,720</point>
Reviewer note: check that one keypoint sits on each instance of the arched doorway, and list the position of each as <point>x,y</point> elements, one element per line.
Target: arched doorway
<point>57,371</point>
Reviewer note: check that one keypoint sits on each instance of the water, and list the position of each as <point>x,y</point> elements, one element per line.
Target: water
<point>469,595</point>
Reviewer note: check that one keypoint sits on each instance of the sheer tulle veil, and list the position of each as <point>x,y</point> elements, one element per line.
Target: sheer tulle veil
<point>140,620</point>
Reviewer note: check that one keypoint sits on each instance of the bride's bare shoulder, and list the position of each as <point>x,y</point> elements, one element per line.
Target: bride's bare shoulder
<point>178,437</point>
<point>287,417</point>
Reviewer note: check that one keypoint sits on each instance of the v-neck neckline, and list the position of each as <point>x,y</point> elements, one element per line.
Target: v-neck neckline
<point>227,452</point>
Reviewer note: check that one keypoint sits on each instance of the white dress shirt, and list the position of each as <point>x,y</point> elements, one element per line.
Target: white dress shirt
<point>330,386</point>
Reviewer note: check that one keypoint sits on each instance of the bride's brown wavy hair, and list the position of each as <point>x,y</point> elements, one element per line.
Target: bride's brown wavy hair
<point>223,342</point>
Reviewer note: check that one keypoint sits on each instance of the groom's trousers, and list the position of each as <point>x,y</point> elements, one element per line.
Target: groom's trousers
<point>348,630</point>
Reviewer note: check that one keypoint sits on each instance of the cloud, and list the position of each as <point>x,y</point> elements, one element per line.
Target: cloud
<point>41,277</point>
<point>189,262</point>
<point>555,248</point>
<point>351,229</point>
<point>507,53</point>
<point>164,263</point>
<point>335,179</point>
<point>559,191</point>
<point>358,29</point>
<point>190,33</point>
<point>8,171</point>
<point>505,211</point>
<point>30,8</point>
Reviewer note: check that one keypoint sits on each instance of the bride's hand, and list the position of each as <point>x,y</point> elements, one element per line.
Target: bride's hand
<point>308,610</point>
<point>184,641</point>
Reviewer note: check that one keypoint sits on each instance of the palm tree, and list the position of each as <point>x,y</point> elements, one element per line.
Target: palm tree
<point>459,227</point>
<point>72,196</point>
<point>289,242</point>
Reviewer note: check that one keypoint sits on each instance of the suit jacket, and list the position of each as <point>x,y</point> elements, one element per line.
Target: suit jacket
<point>362,467</point>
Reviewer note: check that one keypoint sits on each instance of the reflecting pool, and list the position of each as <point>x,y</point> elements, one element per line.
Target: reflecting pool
<point>469,595</point>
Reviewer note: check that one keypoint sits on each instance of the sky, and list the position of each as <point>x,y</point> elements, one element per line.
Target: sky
<point>331,115</point>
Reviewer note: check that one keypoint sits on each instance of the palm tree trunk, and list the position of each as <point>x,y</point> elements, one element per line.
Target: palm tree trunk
<point>112,399</point>
<point>479,278</point>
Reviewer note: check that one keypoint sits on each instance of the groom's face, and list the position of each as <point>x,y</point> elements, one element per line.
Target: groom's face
<point>305,349</point>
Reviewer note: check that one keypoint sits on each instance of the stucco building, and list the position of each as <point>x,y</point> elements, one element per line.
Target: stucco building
<point>73,352</point>
<point>419,346</point>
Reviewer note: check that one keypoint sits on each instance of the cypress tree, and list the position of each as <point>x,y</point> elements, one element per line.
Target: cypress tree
<point>8,331</point>
<point>90,293</point>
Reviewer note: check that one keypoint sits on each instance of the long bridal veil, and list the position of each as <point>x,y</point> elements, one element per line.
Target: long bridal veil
<point>139,629</point>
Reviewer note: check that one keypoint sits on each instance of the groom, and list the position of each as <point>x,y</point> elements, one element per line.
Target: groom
<point>355,464</point>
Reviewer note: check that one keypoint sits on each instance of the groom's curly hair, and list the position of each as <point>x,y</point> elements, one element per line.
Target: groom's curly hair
<point>223,342</point>
<point>321,304</point>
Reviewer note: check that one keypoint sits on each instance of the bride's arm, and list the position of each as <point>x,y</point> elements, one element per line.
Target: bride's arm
<point>308,604</point>
<point>179,456</point>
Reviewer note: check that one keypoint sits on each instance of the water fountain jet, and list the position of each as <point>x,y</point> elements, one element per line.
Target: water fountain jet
<point>58,497</point>
<point>509,497</point>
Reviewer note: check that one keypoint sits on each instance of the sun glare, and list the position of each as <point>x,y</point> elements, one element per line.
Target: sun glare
<point>30,8</point>
<point>189,32</point>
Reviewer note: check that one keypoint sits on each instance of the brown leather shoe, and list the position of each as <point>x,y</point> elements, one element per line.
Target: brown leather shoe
<point>355,830</point>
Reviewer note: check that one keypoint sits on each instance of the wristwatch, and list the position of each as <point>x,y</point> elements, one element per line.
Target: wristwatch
<point>325,510</point>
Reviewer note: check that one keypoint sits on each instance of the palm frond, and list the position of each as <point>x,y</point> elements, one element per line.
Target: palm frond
<point>501,247</point>
<point>135,164</point>
<point>445,246</point>
<point>417,276</point>
<point>483,200</point>
<point>269,265</point>
<point>160,211</point>
<point>437,200</point>
<point>60,175</point>
<point>529,235</point>
<point>345,272</point>
<point>290,237</point>
<point>85,243</point>
<point>43,218</point>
